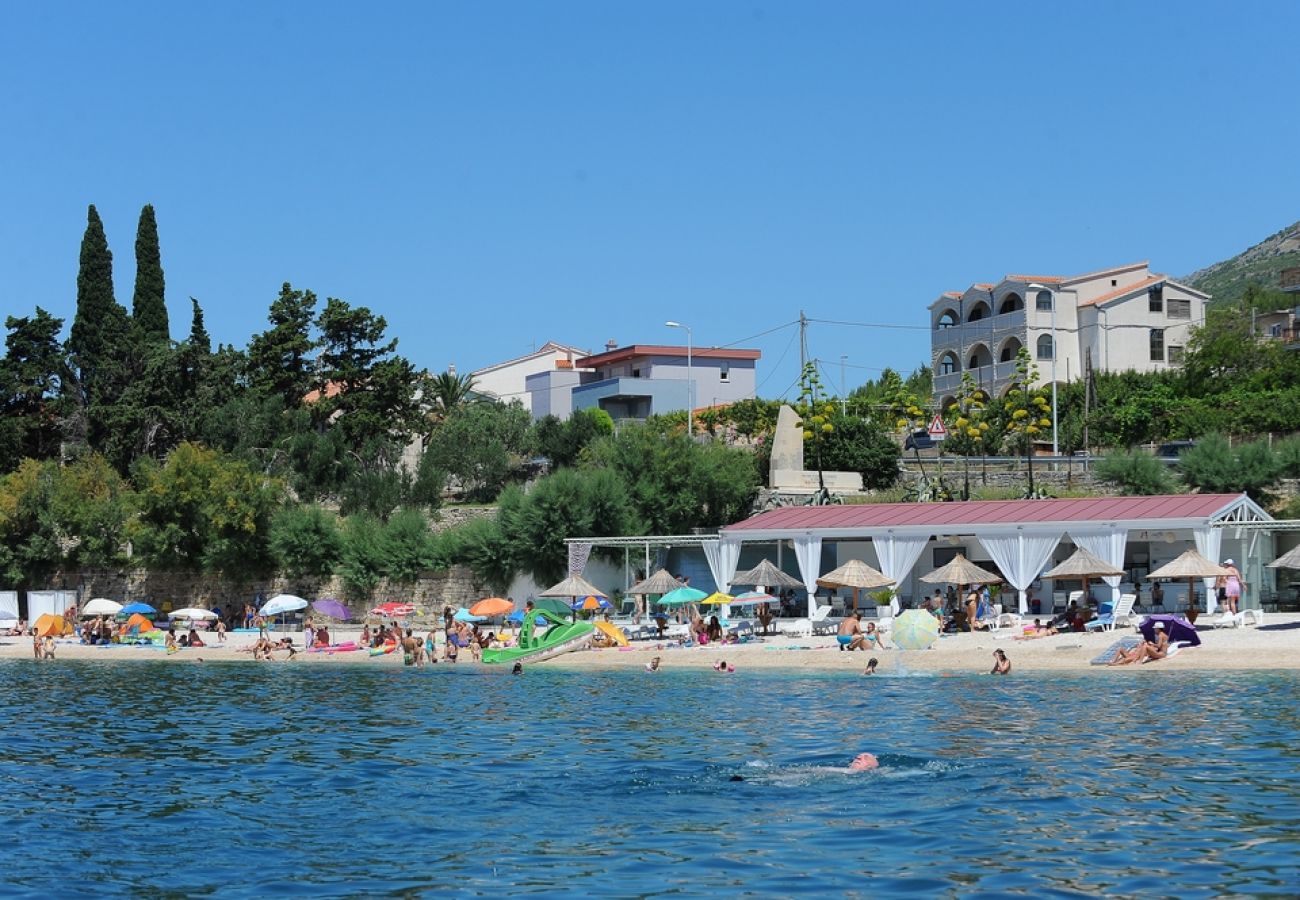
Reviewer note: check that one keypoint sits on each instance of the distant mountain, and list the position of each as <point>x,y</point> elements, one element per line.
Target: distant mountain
<point>1227,280</point>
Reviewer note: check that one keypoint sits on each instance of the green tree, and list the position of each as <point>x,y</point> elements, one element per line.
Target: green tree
<point>815,412</point>
<point>480,445</point>
<point>99,329</point>
<point>148,308</point>
<point>1135,472</point>
<point>32,374</point>
<point>305,541</point>
<point>408,548</point>
<point>201,510</point>
<point>856,445</point>
<point>29,532</point>
<point>674,483</point>
<point>1215,466</point>
<point>362,563</point>
<point>447,392</point>
<point>280,358</point>
<point>568,503</point>
<point>1028,410</point>
<point>562,442</point>
<point>483,546</point>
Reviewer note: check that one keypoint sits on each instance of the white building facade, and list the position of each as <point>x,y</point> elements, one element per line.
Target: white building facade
<point>507,381</point>
<point>1125,318</point>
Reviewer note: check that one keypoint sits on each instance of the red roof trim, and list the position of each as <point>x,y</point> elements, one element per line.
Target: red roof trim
<point>973,513</point>
<point>621,353</point>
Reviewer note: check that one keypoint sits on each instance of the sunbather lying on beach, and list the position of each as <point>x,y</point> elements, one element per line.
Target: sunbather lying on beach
<point>1147,651</point>
<point>1037,630</point>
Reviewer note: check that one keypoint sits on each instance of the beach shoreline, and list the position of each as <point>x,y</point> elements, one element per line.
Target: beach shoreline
<point>1275,647</point>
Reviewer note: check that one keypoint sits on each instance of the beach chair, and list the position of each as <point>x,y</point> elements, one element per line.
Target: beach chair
<point>820,618</point>
<point>1121,614</point>
<point>1240,620</point>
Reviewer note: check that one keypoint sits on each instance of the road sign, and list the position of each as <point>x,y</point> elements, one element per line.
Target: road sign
<point>938,431</point>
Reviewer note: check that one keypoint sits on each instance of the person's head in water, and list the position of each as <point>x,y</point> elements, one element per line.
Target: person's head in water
<point>518,669</point>
<point>871,666</point>
<point>862,762</point>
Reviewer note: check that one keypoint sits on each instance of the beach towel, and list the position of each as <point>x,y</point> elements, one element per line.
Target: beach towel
<point>1109,655</point>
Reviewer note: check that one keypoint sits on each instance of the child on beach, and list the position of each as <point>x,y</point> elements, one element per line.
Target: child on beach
<point>221,631</point>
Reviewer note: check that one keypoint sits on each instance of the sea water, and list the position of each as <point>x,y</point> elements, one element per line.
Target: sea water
<point>247,780</point>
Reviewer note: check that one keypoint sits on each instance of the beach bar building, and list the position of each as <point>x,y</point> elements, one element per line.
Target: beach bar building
<point>1019,538</point>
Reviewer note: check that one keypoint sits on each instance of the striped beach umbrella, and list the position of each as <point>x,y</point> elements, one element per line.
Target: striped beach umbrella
<point>915,629</point>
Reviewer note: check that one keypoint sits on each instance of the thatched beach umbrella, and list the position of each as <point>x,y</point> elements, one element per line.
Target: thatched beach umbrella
<point>1288,560</point>
<point>961,571</point>
<point>767,575</point>
<point>1085,565</point>
<point>574,587</point>
<point>661,582</point>
<point>857,575</point>
<point>1191,565</point>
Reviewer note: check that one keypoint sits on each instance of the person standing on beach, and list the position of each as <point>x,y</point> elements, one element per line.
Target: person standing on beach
<point>1233,587</point>
<point>221,631</point>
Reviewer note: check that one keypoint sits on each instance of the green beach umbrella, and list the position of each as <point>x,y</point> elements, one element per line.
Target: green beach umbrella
<point>915,629</point>
<point>682,596</point>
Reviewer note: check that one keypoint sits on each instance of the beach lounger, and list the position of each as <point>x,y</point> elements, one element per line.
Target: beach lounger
<point>1121,614</point>
<point>810,626</point>
<point>1240,620</point>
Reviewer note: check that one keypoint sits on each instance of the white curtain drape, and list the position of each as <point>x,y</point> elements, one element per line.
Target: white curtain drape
<point>1209,541</point>
<point>722,556</point>
<point>1107,544</point>
<point>897,556</point>
<point>808,551</point>
<point>1021,557</point>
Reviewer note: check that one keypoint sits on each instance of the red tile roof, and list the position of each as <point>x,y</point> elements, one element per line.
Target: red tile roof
<point>1124,291</point>
<point>944,517</point>
<point>1031,278</point>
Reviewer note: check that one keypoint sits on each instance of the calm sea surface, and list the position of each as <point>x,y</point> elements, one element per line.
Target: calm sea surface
<point>240,780</point>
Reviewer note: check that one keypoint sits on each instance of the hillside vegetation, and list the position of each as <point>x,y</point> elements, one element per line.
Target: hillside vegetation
<point>1227,281</point>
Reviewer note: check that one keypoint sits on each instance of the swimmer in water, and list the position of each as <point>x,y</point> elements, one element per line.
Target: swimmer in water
<point>518,669</point>
<point>871,666</point>
<point>721,666</point>
<point>653,665</point>
<point>864,761</point>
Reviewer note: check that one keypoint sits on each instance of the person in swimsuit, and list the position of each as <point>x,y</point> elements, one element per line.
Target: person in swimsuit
<point>871,666</point>
<point>1001,665</point>
<point>863,762</point>
<point>850,636</point>
<point>653,665</point>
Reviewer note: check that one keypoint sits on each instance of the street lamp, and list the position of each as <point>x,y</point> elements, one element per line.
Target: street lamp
<point>690,383</point>
<point>1056,447</point>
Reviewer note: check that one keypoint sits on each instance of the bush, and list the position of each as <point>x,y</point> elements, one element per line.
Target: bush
<point>362,561</point>
<point>1135,472</point>
<point>407,546</point>
<point>1213,465</point>
<point>305,542</point>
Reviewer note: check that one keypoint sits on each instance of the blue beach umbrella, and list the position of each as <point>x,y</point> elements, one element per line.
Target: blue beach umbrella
<point>143,609</point>
<point>464,615</point>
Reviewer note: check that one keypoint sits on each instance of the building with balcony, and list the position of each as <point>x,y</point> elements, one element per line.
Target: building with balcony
<point>642,380</point>
<point>1118,319</point>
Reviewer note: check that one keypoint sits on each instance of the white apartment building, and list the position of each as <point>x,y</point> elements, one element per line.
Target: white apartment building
<point>508,381</point>
<point>1115,320</point>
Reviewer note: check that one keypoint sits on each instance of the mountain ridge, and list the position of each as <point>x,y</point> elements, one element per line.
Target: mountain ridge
<point>1260,264</point>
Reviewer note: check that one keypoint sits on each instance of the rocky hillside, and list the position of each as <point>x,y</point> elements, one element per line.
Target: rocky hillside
<point>1227,280</point>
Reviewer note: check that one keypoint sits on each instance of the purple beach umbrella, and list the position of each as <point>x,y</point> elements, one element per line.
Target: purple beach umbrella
<point>1178,629</point>
<point>332,608</point>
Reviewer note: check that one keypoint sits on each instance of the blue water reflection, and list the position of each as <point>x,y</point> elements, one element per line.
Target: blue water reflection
<point>246,780</point>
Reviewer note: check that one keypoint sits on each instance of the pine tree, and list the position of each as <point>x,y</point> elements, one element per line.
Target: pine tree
<point>98,342</point>
<point>148,307</point>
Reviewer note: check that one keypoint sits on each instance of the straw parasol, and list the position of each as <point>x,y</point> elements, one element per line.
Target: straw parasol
<point>1288,560</point>
<point>1191,565</point>
<point>768,575</point>
<point>660,582</point>
<point>574,586</point>
<point>1084,564</point>
<point>857,575</point>
<point>961,571</point>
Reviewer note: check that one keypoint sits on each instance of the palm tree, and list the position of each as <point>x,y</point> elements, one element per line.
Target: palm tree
<point>446,392</point>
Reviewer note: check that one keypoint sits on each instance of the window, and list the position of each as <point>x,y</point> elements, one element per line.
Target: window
<point>948,364</point>
<point>636,373</point>
<point>1179,309</point>
<point>1045,348</point>
<point>724,372</point>
<point>1012,303</point>
<point>1156,298</point>
<point>1157,345</point>
<point>947,320</point>
<point>1175,355</point>
<point>1043,301</point>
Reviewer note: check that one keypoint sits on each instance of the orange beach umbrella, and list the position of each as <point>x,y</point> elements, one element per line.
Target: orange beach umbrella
<point>491,606</point>
<point>139,621</point>
<point>52,625</point>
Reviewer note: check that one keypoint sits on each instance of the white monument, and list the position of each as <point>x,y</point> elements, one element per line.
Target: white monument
<point>787,472</point>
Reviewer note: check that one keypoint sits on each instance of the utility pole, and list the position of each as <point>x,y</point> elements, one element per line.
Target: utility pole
<point>844,395</point>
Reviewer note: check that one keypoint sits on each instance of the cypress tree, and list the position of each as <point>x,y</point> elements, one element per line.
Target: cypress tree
<point>99,330</point>
<point>199,339</point>
<point>148,306</point>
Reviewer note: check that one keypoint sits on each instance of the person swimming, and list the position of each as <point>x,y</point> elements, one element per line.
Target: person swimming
<point>871,666</point>
<point>518,669</point>
<point>864,761</point>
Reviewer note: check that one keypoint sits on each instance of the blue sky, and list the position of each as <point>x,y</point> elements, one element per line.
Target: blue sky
<point>490,176</point>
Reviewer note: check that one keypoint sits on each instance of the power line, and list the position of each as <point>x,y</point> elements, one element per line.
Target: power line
<point>871,325</point>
